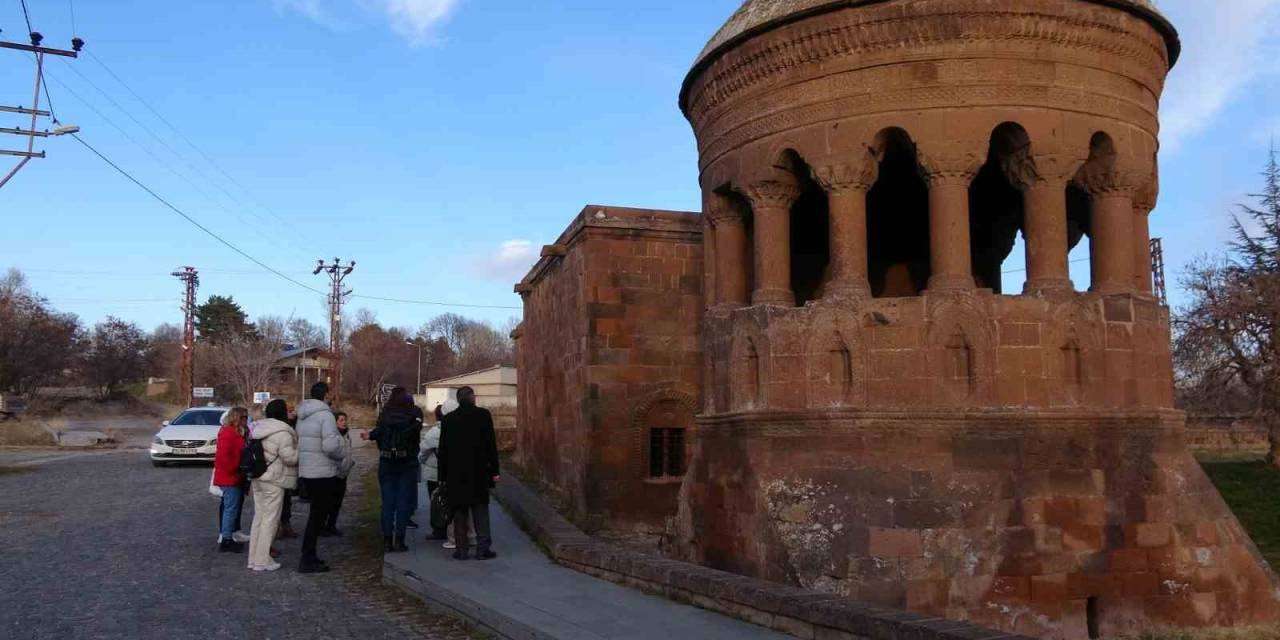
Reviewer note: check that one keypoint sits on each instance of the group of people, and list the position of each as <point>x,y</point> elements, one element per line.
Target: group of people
<point>308,452</point>
<point>457,457</point>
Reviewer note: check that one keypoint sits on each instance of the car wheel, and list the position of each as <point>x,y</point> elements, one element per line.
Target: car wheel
<point>157,463</point>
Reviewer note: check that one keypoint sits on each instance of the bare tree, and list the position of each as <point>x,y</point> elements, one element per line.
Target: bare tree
<point>37,343</point>
<point>303,334</point>
<point>378,356</point>
<point>1226,347</point>
<point>117,354</point>
<point>247,362</point>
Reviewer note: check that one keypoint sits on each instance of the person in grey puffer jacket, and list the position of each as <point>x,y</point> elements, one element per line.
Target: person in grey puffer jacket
<point>320,452</point>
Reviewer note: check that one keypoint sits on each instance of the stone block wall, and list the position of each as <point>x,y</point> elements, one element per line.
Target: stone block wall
<point>612,318</point>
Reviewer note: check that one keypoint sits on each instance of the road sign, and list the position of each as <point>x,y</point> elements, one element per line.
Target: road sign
<point>262,397</point>
<point>202,392</point>
<point>384,393</point>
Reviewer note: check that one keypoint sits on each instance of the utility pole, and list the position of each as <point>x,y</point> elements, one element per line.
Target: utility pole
<point>338,294</point>
<point>34,110</point>
<point>1157,270</point>
<point>191,278</point>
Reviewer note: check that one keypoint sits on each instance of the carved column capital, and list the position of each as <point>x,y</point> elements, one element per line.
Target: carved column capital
<point>1144,199</point>
<point>953,163</point>
<point>839,174</point>
<point>721,215</point>
<point>1033,170</point>
<point>772,194</point>
<point>1117,180</point>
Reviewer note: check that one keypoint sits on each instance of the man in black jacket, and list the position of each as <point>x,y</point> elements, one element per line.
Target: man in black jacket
<point>468,459</point>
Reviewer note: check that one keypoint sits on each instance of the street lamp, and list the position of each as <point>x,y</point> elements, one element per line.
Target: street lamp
<point>417,389</point>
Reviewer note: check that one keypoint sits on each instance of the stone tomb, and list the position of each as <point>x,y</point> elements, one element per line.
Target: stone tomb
<point>877,414</point>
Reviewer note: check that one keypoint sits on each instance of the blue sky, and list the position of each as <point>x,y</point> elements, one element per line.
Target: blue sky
<point>439,143</point>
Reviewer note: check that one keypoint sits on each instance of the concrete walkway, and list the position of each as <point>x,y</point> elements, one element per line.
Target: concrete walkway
<point>522,594</point>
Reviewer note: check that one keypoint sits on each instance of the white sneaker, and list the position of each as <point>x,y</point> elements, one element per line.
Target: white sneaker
<point>238,537</point>
<point>448,544</point>
<point>266,567</point>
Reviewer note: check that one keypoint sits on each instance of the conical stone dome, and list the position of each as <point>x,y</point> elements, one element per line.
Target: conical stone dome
<point>757,15</point>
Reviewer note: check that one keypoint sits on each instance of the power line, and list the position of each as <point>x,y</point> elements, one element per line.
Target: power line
<point>71,4</point>
<point>188,218</point>
<point>27,14</point>
<point>437,304</point>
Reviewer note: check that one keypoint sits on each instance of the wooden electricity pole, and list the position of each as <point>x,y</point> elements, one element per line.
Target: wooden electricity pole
<point>337,297</point>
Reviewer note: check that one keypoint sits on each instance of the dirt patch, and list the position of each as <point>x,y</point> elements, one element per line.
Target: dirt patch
<point>26,433</point>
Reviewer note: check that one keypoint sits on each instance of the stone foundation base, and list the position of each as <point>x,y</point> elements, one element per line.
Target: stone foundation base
<point>1043,523</point>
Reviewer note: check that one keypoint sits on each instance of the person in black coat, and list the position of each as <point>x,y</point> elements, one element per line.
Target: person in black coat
<point>397,435</point>
<point>468,466</point>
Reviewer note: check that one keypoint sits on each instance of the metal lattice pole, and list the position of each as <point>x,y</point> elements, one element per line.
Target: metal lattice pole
<point>191,279</point>
<point>338,295</point>
<point>1157,271</point>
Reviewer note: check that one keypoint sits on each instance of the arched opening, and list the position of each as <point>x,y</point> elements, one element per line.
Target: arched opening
<point>752,386</point>
<point>1072,371</point>
<point>959,363</point>
<point>810,232</point>
<point>840,362</point>
<point>1080,206</point>
<point>666,425</point>
<point>996,209</point>
<point>898,220</point>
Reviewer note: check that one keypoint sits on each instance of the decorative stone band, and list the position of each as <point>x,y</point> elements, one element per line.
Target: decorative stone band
<point>787,609</point>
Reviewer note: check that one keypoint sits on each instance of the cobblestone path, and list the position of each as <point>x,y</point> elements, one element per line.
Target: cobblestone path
<point>106,546</point>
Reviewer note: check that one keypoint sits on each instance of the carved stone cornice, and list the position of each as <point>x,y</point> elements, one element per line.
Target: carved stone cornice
<point>950,163</point>
<point>772,194</point>
<point>836,175</point>
<point>1144,199</point>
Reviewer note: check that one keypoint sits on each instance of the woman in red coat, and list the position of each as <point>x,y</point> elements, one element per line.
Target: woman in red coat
<point>226,475</point>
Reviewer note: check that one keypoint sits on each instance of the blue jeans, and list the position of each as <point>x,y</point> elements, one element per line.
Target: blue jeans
<point>398,484</point>
<point>231,500</point>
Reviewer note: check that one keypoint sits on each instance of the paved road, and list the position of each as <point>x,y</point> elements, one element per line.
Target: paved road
<point>103,545</point>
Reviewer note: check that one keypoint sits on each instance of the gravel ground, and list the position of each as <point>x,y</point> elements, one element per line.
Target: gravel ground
<point>103,545</point>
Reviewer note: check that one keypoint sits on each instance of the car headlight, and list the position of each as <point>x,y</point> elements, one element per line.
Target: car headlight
<point>157,440</point>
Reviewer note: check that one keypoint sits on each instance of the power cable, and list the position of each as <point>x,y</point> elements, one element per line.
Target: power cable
<point>27,14</point>
<point>71,4</point>
<point>188,218</point>
<point>194,170</point>
<point>181,135</point>
<point>254,260</point>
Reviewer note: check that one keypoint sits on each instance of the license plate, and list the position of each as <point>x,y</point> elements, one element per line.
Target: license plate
<point>185,452</point>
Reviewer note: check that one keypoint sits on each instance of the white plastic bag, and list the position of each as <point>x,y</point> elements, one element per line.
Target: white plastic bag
<point>214,489</point>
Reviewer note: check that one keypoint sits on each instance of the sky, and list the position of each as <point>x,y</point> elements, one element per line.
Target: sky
<point>441,143</point>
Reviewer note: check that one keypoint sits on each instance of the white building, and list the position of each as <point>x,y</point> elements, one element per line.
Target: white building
<point>495,387</point>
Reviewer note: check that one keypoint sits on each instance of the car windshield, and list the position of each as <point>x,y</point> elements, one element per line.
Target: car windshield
<point>198,418</point>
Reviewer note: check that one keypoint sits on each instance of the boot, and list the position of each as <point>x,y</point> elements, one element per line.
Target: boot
<point>460,553</point>
<point>387,545</point>
<point>230,546</point>
<point>287,532</point>
<point>400,546</point>
<point>485,553</point>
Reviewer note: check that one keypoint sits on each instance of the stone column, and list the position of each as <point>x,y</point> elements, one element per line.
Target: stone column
<point>730,257</point>
<point>1043,180</point>
<point>1143,203</point>
<point>771,202</point>
<point>948,170</point>
<point>1112,221</point>
<point>847,184</point>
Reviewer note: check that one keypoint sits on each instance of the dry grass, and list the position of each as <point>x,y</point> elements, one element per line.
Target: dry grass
<point>1244,633</point>
<point>6,470</point>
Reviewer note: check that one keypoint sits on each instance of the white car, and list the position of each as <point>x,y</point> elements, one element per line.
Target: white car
<point>190,437</point>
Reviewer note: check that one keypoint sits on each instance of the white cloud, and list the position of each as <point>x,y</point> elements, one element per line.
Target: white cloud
<point>417,20</point>
<point>1225,48</point>
<point>509,263</point>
